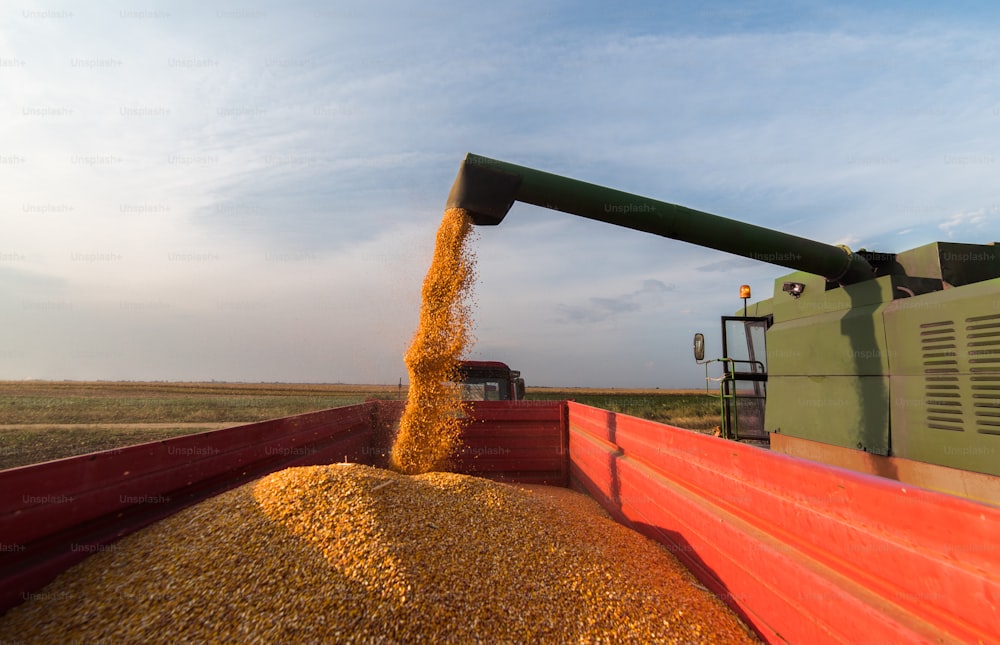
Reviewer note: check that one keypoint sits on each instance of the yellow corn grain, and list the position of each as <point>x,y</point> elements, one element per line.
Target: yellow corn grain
<point>430,425</point>
<point>353,554</point>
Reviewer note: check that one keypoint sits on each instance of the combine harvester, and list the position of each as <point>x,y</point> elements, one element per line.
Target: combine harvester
<point>883,362</point>
<point>887,364</point>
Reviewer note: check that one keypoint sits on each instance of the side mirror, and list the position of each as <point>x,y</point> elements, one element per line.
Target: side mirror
<point>699,347</point>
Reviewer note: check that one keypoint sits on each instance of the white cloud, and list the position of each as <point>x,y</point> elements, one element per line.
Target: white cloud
<point>649,295</point>
<point>268,133</point>
<point>971,221</point>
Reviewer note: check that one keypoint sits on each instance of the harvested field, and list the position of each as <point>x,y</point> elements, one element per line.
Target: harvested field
<point>691,409</point>
<point>44,420</point>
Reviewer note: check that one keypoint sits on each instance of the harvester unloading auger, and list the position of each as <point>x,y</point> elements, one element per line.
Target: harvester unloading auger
<point>487,188</point>
<point>873,361</point>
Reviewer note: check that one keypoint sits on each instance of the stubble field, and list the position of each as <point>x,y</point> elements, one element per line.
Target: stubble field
<point>44,420</point>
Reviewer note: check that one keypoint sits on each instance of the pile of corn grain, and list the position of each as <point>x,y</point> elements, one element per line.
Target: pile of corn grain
<point>349,553</point>
<point>430,425</point>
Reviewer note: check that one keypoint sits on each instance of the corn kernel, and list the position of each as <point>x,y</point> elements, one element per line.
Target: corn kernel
<point>430,425</point>
<point>351,553</point>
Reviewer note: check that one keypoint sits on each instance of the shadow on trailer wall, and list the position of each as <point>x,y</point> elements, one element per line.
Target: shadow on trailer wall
<point>804,552</point>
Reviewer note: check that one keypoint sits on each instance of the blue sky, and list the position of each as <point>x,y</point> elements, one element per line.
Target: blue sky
<point>250,191</point>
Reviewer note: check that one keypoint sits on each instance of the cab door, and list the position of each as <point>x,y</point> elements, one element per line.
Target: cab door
<point>744,384</point>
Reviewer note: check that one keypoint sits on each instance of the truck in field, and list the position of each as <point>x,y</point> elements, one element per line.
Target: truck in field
<point>490,381</point>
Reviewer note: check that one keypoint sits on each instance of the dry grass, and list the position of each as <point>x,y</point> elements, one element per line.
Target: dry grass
<point>691,409</point>
<point>44,420</point>
<point>571,392</point>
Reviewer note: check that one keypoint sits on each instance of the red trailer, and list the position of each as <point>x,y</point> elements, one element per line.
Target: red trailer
<point>803,552</point>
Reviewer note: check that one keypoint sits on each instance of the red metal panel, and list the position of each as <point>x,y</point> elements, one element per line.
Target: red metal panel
<point>48,511</point>
<point>796,546</point>
<point>385,423</point>
<point>759,572</point>
<point>516,441</point>
<point>860,539</point>
<point>92,485</point>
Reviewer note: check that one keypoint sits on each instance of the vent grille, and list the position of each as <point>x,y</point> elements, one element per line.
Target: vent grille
<point>939,351</point>
<point>983,344</point>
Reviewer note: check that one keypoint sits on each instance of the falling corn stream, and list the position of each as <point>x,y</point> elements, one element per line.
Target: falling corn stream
<point>431,422</point>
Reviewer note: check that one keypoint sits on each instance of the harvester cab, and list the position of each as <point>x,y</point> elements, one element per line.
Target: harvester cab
<point>874,361</point>
<point>743,384</point>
